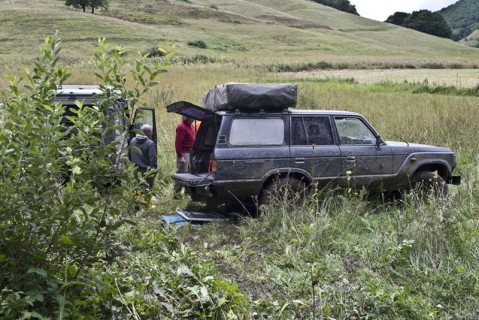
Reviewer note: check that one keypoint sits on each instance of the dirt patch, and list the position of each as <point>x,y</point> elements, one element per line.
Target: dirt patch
<point>293,22</point>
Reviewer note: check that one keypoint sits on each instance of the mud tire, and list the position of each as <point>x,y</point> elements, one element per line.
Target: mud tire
<point>429,184</point>
<point>285,190</point>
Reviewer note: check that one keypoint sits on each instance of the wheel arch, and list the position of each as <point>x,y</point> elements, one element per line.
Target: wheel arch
<point>441,169</point>
<point>300,175</point>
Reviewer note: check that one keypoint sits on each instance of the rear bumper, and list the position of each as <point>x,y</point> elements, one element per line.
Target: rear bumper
<point>193,180</point>
<point>203,186</point>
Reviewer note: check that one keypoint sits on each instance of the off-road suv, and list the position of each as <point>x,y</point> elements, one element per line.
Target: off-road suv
<point>122,127</point>
<point>251,143</point>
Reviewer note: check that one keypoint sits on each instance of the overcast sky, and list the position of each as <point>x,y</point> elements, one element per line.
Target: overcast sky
<point>382,9</point>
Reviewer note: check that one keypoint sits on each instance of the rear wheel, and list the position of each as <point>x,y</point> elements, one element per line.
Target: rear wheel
<point>285,191</point>
<point>429,184</point>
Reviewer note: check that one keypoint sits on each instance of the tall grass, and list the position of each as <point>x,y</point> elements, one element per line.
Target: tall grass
<point>349,256</point>
<point>341,256</point>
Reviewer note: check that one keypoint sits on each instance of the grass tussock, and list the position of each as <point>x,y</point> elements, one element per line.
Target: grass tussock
<point>342,256</point>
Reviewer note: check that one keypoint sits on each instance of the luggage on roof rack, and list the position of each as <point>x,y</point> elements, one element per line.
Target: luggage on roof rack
<point>233,95</point>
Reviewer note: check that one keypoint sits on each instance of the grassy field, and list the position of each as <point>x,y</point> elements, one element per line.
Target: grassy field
<point>340,256</point>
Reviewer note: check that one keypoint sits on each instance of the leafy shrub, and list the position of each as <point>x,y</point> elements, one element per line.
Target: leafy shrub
<point>163,279</point>
<point>201,59</point>
<point>155,52</point>
<point>64,191</point>
<point>198,44</point>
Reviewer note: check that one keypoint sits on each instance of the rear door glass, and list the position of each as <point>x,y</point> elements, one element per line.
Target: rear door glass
<point>260,132</point>
<point>311,130</point>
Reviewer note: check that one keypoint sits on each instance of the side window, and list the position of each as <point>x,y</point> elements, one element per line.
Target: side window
<point>311,130</point>
<point>261,132</point>
<point>144,116</point>
<point>354,131</point>
<point>210,135</point>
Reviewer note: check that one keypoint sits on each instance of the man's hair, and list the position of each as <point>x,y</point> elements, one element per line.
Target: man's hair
<point>146,128</point>
<point>185,118</point>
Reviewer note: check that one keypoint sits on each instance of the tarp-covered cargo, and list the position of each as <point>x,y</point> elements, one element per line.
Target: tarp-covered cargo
<point>232,96</point>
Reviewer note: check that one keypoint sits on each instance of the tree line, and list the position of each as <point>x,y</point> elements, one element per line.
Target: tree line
<point>432,23</point>
<point>342,5</point>
<point>83,4</point>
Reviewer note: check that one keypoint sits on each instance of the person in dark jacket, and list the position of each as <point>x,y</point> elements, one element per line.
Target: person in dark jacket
<point>146,159</point>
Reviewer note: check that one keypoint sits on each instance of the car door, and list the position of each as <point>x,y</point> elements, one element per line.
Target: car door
<point>364,161</point>
<point>313,148</point>
<point>143,116</point>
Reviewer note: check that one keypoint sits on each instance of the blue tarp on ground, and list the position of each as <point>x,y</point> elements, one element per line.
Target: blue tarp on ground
<point>176,220</point>
<point>194,218</point>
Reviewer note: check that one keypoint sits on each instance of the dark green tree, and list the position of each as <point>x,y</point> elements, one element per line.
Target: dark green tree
<point>428,22</point>
<point>432,23</point>
<point>398,18</point>
<point>83,4</point>
<point>342,5</point>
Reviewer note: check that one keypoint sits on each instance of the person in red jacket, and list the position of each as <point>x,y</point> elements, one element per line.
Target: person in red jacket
<point>185,136</point>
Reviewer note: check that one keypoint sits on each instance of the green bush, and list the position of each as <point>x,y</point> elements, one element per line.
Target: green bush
<point>64,191</point>
<point>155,52</point>
<point>198,44</point>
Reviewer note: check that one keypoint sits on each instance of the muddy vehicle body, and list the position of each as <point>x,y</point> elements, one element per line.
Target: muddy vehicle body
<point>243,153</point>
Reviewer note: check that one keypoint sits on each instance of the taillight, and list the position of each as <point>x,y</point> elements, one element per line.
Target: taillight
<point>212,168</point>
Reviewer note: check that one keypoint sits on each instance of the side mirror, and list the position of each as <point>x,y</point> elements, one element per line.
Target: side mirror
<point>379,141</point>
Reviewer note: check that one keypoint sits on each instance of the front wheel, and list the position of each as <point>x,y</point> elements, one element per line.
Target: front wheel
<point>285,191</point>
<point>429,184</point>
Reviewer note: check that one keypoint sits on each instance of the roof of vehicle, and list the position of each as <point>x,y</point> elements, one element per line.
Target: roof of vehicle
<point>297,112</point>
<point>325,112</point>
<point>73,89</point>
<point>68,94</point>
<point>199,113</point>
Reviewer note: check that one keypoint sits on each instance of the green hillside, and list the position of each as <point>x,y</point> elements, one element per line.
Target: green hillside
<point>472,40</point>
<point>463,17</point>
<point>250,32</point>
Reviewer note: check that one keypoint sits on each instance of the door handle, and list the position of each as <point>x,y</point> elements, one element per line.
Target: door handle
<point>299,160</point>
<point>352,158</point>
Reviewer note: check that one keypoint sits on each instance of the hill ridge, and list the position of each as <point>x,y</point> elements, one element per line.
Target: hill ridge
<point>230,30</point>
